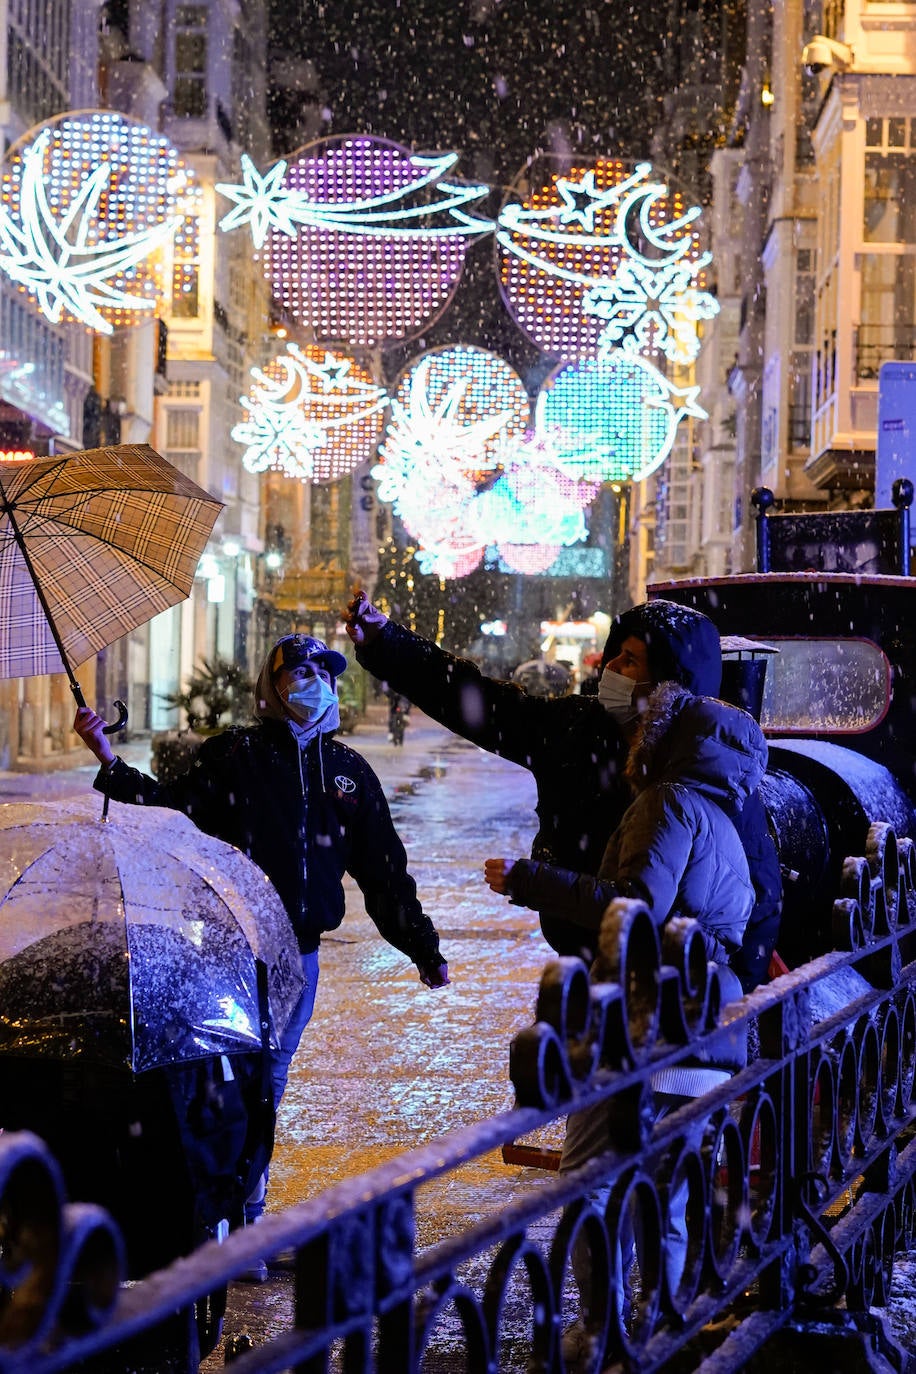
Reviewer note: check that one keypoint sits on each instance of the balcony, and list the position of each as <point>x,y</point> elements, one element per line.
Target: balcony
<point>882,343</point>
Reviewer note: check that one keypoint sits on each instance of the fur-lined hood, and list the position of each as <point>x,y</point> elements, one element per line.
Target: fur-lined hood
<point>699,741</point>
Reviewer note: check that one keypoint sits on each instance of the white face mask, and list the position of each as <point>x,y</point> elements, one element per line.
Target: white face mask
<point>621,697</point>
<point>310,698</point>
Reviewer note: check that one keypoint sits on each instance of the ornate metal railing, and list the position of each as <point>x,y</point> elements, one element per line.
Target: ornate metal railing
<point>778,1199</point>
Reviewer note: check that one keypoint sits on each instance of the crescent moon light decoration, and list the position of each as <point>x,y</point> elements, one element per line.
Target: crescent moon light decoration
<point>605,257</point>
<point>90,204</point>
<point>312,413</point>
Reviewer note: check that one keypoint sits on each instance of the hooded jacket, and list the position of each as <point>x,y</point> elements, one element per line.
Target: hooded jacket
<point>574,749</point>
<point>693,764</point>
<point>305,808</point>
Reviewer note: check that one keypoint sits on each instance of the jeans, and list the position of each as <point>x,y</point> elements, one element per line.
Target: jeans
<point>279,1066</point>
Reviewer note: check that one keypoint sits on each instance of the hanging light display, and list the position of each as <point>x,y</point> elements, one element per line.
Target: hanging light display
<point>361,239</point>
<point>604,256</point>
<point>613,418</point>
<point>89,205</point>
<point>464,473</point>
<point>313,413</point>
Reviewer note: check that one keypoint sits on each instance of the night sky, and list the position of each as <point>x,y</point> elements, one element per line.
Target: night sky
<point>495,82</point>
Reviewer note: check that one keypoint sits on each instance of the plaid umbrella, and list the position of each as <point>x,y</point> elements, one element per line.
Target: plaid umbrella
<point>92,545</point>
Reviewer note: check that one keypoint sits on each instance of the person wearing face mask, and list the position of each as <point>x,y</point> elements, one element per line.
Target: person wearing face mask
<point>304,807</point>
<point>576,746</point>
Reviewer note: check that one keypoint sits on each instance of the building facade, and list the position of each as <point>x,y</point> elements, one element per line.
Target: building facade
<point>812,212</point>
<point>197,74</point>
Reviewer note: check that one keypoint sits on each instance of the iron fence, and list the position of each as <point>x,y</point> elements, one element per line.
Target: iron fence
<point>777,1200</point>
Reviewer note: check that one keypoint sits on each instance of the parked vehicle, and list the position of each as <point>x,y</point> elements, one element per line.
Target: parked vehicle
<point>829,663</point>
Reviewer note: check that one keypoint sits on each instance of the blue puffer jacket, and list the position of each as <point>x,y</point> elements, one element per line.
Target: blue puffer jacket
<point>693,765</point>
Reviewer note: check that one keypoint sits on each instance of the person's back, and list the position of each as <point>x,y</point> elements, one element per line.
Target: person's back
<point>575,747</point>
<point>694,762</point>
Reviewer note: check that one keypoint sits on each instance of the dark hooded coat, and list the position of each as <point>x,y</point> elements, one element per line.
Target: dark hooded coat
<point>305,815</point>
<point>693,764</point>
<point>576,752</point>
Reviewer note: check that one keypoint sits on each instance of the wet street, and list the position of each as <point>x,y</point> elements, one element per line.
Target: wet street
<point>387,1064</point>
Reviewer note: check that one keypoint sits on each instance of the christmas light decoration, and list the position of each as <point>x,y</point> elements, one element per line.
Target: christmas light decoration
<point>604,256</point>
<point>361,239</point>
<point>89,203</point>
<point>464,474</point>
<point>613,418</point>
<point>312,413</point>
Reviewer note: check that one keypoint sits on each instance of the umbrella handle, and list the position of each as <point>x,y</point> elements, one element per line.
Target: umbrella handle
<point>121,721</point>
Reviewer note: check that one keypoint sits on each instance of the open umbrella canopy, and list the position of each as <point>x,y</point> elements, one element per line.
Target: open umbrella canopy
<point>92,545</point>
<point>542,678</point>
<point>134,942</point>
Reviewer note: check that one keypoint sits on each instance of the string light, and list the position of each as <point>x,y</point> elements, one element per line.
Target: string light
<point>89,205</point>
<point>313,413</point>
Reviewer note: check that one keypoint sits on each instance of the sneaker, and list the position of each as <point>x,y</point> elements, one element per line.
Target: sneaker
<point>255,1273</point>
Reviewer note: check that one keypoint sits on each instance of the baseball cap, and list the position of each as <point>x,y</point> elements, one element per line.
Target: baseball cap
<point>293,650</point>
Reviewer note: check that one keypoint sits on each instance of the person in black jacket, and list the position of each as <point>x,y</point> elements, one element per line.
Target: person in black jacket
<point>304,807</point>
<point>576,746</point>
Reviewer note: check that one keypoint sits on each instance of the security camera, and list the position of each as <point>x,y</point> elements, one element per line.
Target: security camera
<point>822,53</point>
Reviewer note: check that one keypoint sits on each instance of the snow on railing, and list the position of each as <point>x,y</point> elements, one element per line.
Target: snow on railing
<point>781,1196</point>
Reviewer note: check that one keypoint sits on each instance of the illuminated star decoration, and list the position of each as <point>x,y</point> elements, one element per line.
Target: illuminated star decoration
<point>262,202</point>
<point>90,203</point>
<point>360,239</point>
<point>613,418</point>
<point>312,414</point>
<point>464,474</point>
<point>605,256</point>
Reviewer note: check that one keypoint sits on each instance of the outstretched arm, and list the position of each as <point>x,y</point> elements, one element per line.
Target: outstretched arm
<point>578,897</point>
<point>498,716</point>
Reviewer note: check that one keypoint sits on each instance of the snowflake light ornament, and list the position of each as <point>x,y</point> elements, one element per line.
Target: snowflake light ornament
<point>89,206</point>
<point>312,413</point>
<point>604,256</point>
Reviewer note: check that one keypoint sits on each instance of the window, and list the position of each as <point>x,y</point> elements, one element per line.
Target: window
<point>804,296</point>
<point>890,181</point>
<point>835,686</point>
<point>190,94</point>
<point>182,428</point>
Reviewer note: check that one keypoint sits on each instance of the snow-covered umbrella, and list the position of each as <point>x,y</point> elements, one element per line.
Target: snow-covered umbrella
<point>136,942</point>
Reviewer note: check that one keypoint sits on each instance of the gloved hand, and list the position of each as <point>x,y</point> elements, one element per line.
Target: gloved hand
<point>435,976</point>
<point>363,620</point>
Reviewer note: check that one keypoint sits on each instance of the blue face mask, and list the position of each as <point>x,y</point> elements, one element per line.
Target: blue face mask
<point>311,698</point>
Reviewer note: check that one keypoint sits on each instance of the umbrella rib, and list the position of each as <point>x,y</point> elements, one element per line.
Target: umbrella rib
<point>87,534</point>
<point>37,476</point>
